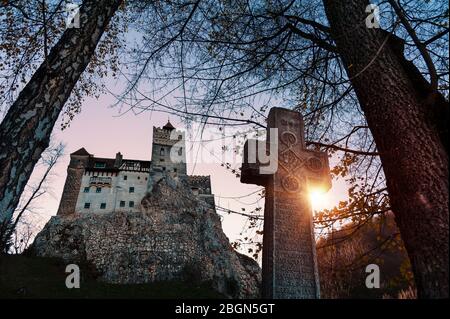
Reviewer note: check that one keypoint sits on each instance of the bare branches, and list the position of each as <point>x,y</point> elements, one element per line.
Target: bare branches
<point>9,230</point>
<point>229,63</point>
<point>420,46</point>
<point>343,149</point>
<point>314,24</point>
<point>436,37</point>
<point>49,159</point>
<point>164,45</point>
<point>323,44</point>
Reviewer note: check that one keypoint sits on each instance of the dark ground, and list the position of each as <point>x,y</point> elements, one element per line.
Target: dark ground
<point>37,277</point>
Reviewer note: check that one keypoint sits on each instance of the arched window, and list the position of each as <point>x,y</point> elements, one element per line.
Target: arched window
<point>162,152</point>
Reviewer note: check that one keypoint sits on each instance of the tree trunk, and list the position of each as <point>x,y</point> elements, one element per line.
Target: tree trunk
<point>408,137</point>
<point>25,131</point>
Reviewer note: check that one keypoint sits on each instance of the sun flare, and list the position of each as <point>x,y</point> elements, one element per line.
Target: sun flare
<point>318,199</point>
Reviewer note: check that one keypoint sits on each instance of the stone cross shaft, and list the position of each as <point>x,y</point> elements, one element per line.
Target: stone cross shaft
<point>289,253</point>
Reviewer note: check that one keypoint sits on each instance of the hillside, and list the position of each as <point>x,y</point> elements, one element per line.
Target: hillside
<point>174,237</point>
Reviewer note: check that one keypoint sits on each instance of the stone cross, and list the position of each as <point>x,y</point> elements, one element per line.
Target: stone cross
<point>289,253</point>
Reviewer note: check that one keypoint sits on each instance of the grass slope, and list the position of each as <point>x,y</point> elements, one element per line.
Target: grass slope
<point>36,277</point>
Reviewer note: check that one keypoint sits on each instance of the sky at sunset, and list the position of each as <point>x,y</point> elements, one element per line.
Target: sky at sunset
<point>103,132</point>
<point>104,129</point>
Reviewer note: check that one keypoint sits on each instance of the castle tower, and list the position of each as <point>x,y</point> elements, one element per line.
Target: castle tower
<point>168,153</point>
<point>169,150</point>
<point>75,171</point>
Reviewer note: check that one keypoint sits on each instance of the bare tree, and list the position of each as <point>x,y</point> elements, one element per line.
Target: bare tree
<point>19,230</point>
<point>22,237</point>
<point>25,130</point>
<point>227,62</point>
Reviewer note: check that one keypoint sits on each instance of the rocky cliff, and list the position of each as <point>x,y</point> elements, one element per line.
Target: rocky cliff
<point>174,237</point>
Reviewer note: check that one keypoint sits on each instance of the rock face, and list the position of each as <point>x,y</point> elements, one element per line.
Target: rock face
<point>174,237</point>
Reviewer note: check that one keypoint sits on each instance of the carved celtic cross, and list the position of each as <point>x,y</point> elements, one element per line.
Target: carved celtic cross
<point>289,253</point>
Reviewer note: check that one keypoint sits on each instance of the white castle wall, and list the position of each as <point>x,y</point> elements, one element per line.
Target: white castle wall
<point>112,195</point>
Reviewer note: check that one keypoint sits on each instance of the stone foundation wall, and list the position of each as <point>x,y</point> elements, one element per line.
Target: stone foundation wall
<point>174,237</point>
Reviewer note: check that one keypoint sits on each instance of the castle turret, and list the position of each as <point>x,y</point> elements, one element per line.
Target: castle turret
<point>168,126</point>
<point>78,161</point>
<point>118,160</point>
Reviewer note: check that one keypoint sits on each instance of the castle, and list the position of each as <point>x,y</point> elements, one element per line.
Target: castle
<point>95,185</point>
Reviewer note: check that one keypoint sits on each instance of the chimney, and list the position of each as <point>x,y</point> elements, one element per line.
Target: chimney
<point>118,160</point>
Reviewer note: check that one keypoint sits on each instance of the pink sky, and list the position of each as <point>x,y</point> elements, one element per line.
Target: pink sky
<point>100,130</point>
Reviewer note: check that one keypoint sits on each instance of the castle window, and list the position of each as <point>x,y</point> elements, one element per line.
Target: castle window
<point>164,168</point>
<point>195,191</point>
<point>161,159</point>
<point>180,151</point>
<point>180,137</point>
<point>122,203</point>
<point>139,177</point>
<point>131,204</point>
<point>100,165</point>
<point>99,180</point>
<point>87,205</point>
<point>125,177</point>
<point>131,189</point>
<point>98,190</point>
<point>86,190</point>
<point>162,152</point>
<point>102,205</point>
<point>175,169</point>
<point>146,178</point>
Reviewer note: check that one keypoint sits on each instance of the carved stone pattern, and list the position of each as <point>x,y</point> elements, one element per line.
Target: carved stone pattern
<point>314,164</point>
<point>290,161</point>
<point>290,183</point>
<point>289,139</point>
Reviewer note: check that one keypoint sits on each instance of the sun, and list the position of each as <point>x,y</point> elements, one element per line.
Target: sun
<point>318,199</point>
